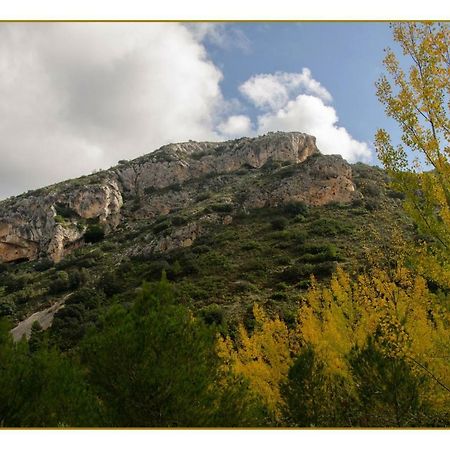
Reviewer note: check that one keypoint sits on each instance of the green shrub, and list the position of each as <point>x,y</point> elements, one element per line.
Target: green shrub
<point>161,226</point>
<point>372,204</point>
<point>279,223</point>
<point>111,284</point>
<point>43,264</point>
<point>250,245</point>
<point>94,233</point>
<point>296,273</point>
<point>396,194</point>
<point>318,253</point>
<point>6,308</point>
<point>241,286</point>
<point>202,196</point>
<point>179,220</point>
<point>69,325</point>
<point>213,315</point>
<point>295,208</point>
<point>59,284</point>
<point>59,219</point>
<point>88,297</point>
<point>64,211</point>
<point>150,190</point>
<point>371,189</point>
<point>279,296</point>
<point>329,227</point>
<point>202,248</point>
<point>13,283</point>
<point>222,207</point>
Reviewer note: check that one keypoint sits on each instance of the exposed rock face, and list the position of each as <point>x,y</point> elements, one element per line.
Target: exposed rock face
<point>52,221</point>
<point>318,181</point>
<point>178,163</point>
<point>50,224</point>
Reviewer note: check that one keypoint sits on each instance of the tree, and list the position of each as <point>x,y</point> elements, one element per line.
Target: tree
<point>365,351</point>
<point>419,100</point>
<point>42,388</point>
<point>313,397</point>
<point>156,366</point>
<point>383,332</point>
<point>262,357</point>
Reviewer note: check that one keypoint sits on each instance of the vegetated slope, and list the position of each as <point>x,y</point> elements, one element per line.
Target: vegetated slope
<point>231,224</point>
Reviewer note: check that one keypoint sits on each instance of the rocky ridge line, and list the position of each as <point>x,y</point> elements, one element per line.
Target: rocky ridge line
<point>52,221</point>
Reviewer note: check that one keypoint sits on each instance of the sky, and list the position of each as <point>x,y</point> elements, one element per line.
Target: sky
<point>78,97</point>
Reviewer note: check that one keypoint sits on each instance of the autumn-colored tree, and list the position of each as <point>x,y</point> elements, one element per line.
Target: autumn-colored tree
<point>262,357</point>
<point>418,99</point>
<point>369,351</point>
<point>388,315</point>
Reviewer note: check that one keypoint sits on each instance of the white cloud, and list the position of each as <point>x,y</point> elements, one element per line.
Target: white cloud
<point>272,91</point>
<point>80,96</point>
<point>236,126</point>
<point>281,108</point>
<point>221,35</point>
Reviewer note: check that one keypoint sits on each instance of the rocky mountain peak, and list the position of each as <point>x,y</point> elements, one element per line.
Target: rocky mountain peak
<point>191,177</point>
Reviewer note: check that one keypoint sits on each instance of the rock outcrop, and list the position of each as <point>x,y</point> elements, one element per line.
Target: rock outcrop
<point>276,168</point>
<point>52,222</point>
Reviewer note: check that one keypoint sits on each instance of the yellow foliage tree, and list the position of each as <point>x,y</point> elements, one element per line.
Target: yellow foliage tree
<point>263,358</point>
<point>396,309</point>
<point>419,100</point>
<point>392,309</point>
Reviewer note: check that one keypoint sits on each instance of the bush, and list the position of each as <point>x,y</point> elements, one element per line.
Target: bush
<point>318,253</point>
<point>13,283</point>
<point>222,207</point>
<point>202,196</point>
<point>299,236</point>
<point>202,248</point>
<point>3,267</point>
<point>156,268</point>
<point>88,297</point>
<point>6,309</point>
<point>295,273</point>
<point>372,204</point>
<point>59,219</point>
<point>241,286</point>
<point>372,189</point>
<point>179,220</point>
<point>161,226</point>
<point>279,296</point>
<point>64,211</point>
<point>59,284</point>
<point>213,315</point>
<point>295,208</point>
<point>110,284</point>
<point>43,265</point>
<point>94,233</point>
<point>279,223</point>
<point>329,227</point>
<point>396,194</point>
<point>77,278</point>
<point>150,190</point>
<point>250,245</point>
<point>69,325</point>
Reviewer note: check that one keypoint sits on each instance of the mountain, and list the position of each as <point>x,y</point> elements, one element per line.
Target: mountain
<point>54,220</point>
<point>230,222</point>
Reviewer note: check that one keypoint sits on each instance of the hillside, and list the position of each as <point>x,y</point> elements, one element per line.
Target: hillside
<point>231,223</point>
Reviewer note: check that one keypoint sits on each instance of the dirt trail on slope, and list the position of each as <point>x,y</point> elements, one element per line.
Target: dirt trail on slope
<point>45,319</point>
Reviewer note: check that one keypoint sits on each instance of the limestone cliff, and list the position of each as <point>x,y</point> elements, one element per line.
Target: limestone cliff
<point>246,173</point>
